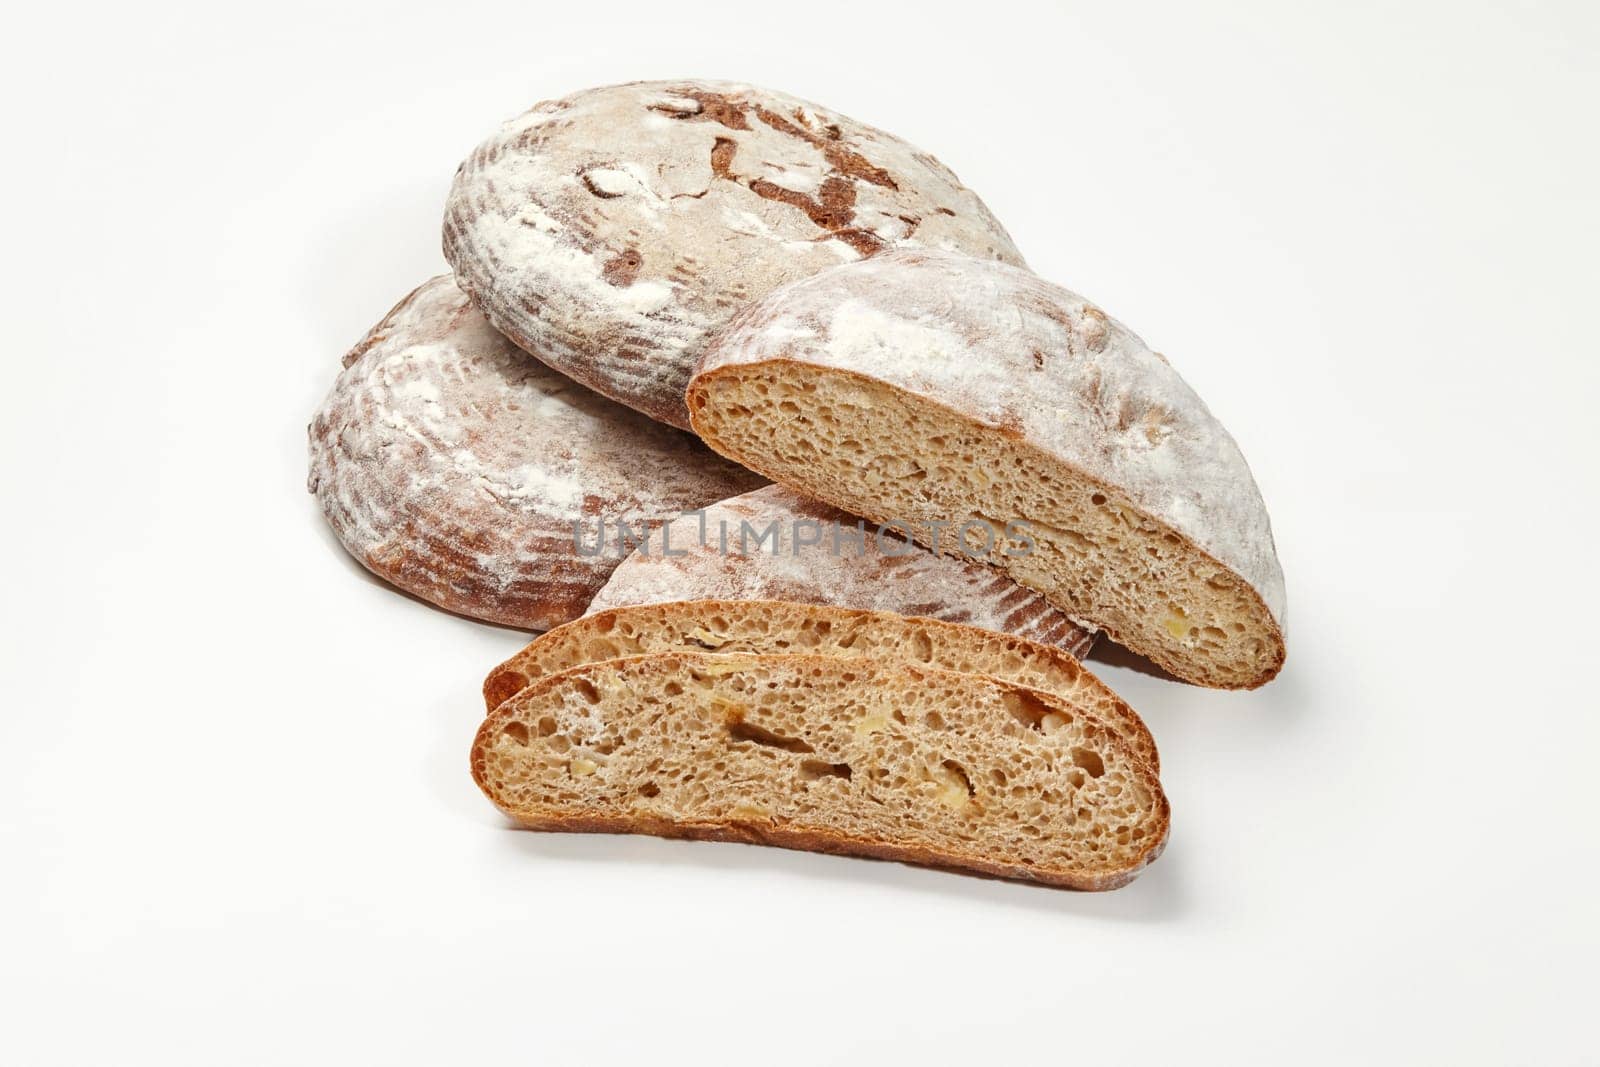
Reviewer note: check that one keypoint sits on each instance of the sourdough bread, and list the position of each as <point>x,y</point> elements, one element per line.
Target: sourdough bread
<point>609,232</point>
<point>774,544</point>
<point>775,627</point>
<point>861,757</point>
<point>928,387</point>
<point>454,466</point>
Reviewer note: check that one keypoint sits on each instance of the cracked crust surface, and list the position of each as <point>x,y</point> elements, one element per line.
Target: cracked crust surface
<point>610,231</point>
<point>858,757</point>
<point>453,466</point>
<point>767,626</point>
<point>733,561</point>
<point>929,387</point>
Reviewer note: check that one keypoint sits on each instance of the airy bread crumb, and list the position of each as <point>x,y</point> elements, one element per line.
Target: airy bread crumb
<point>768,626</point>
<point>862,757</point>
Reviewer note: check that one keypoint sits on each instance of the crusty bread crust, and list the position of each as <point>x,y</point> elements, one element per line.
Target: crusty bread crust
<point>745,833</point>
<point>584,708</point>
<point>775,627</point>
<point>932,388</point>
<point>610,232</point>
<point>453,466</point>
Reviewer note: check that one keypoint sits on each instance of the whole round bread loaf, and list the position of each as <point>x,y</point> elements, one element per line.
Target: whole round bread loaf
<point>454,466</point>
<point>609,232</point>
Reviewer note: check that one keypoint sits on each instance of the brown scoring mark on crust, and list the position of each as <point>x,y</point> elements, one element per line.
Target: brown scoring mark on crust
<point>588,183</point>
<point>620,270</point>
<point>713,107</point>
<point>833,208</point>
<point>722,159</point>
<point>840,156</point>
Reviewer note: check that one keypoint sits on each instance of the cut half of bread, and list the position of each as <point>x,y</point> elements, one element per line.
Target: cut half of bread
<point>861,757</point>
<point>776,627</point>
<point>1006,419</point>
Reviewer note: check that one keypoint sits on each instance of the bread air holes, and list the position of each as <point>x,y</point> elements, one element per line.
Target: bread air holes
<point>953,785</point>
<point>739,730</point>
<point>812,769</point>
<point>516,732</point>
<point>586,689</point>
<point>1089,760</point>
<point>1029,709</point>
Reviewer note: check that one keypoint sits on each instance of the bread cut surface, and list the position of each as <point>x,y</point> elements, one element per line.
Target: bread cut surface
<point>611,231</point>
<point>860,757</point>
<point>453,465</point>
<point>774,544</point>
<point>931,388</point>
<point>776,627</point>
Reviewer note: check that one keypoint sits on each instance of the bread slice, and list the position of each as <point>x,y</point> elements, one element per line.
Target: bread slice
<point>817,554</point>
<point>930,388</point>
<point>769,626</point>
<point>862,757</point>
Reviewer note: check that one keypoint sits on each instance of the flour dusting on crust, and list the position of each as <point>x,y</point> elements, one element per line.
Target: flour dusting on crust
<point>454,466</point>
<point>915,583</point>
<point>611,231</point>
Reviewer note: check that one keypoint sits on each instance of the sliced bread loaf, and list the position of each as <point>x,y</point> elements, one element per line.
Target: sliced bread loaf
<point>930,388</point>
<point>861,757</point>
<point>767,626</point>
<point>774,544</point>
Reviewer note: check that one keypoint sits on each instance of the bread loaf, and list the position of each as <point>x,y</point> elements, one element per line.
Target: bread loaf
<point>934,388</point>
<point>454,466</point>
<point>775,627</point>
<point>817,554</point>
<point>611,231</point>
<point>816,752</point>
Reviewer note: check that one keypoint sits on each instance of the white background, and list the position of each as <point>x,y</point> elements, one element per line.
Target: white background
<point>237,821</point>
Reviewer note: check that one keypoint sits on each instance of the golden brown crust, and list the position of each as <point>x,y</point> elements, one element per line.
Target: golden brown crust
<point>745,833</point>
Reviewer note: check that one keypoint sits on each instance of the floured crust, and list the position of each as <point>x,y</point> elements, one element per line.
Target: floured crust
<point>610,231</point>
<point>452,465</point>
<point>775,627</point>
<point>914,582</point>
<point>618,747</point>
